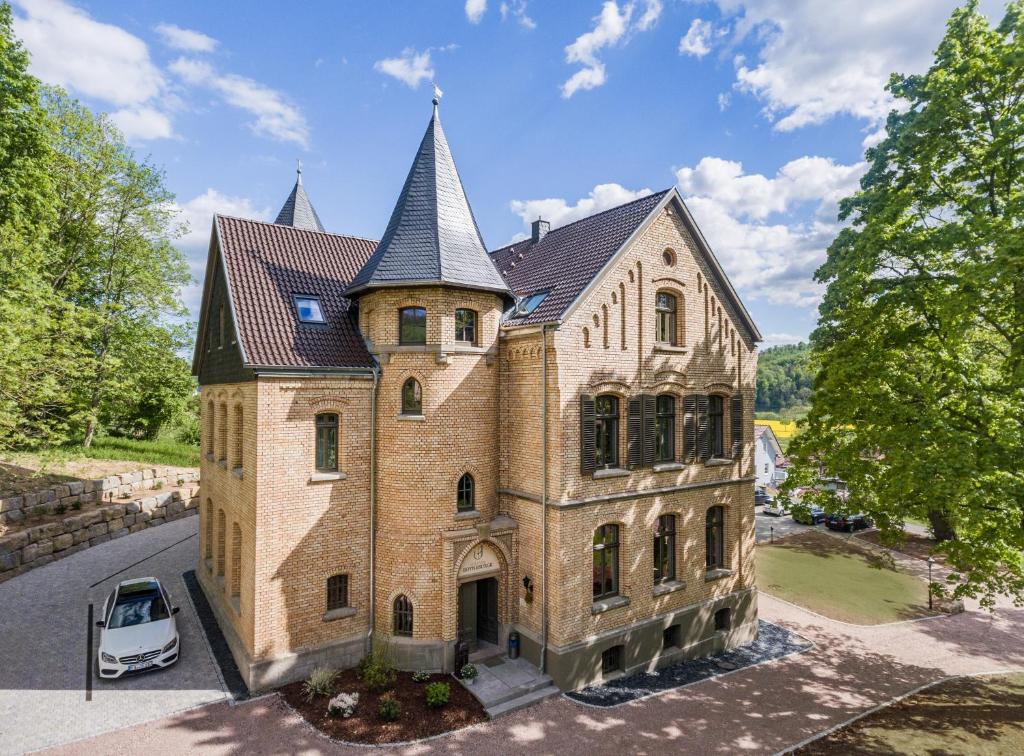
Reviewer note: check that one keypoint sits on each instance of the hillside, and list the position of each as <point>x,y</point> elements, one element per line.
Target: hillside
<point>784,379</point>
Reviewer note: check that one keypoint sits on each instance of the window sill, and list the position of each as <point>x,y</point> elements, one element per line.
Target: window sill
<point>342,613</point>
<point>414,418</point>
<point>717,574</point>
<point>670,349</point>
<point>238,472</point>
<point>668,466</point>
<point>606,605</point>
<point>669,587</point>
<point>610,472</point>
<point>469,514</point>
<point>718,462</point>
<point>326,477</point>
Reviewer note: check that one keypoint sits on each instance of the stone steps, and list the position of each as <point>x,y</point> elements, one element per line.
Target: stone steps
<point>522,701</point>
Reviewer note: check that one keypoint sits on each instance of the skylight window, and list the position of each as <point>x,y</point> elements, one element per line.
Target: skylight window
<point>309,310</point>
<point>529,303</point>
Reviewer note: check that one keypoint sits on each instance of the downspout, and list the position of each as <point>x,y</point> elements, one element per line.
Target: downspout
<point>544,501</point>
<point>373,507</point>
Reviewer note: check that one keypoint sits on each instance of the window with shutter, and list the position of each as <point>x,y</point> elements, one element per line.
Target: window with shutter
<point>703,436</point>
<point>736,423</point>
<point>650,428</point>
<point>690,429</point>
<point>634,429</point>
<point>588,451</point>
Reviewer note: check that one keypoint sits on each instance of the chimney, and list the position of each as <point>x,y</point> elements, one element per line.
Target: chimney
<point>539,229</point>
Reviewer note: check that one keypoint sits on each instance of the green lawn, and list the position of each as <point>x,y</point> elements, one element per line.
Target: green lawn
<point>835,578</point>
<point>980,715</point>
<point>159,452</point>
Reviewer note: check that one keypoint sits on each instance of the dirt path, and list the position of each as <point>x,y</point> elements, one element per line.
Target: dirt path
<point>758,710</point>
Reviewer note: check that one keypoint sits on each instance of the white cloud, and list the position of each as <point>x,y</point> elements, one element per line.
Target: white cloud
<point>188,40</point>
<point>760,227</point>
<point>697,40</point>
<point>275,117</point>
<point>72,50</point>
<point>142,123</point>
<point>475,10</point>
<point>723,100</point>
<point>610,28</point>
<point>817,60</point>
<point>776,339</point>
<point>559,212</point>
<point>411,68</point>
<point>517,9</point>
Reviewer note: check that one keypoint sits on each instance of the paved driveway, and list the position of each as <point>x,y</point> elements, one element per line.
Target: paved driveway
<point>43,641</point>
<point>782,526</point>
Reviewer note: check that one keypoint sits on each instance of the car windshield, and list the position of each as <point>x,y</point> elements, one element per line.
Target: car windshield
<point>138,609</point>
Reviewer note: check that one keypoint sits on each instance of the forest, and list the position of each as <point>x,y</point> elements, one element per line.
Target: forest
<point>91,316</point>
<point>784,380</point>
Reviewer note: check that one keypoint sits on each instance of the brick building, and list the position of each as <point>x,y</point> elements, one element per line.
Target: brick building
<point>420,441</point>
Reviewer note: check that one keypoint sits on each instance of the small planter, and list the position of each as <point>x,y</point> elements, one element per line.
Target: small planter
<point>468,673</point>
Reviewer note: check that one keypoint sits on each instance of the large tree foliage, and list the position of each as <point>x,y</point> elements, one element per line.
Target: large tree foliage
<point>919,395</point>
<point>90,311</point>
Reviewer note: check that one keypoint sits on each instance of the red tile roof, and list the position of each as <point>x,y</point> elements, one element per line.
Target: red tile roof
<point>267,265</point>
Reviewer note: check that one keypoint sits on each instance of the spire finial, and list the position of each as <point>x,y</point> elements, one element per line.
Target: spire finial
<point>298,170</point>
<point>438,94</point>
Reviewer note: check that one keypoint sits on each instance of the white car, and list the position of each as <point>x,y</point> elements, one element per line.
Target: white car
<point>774,507</point>
<point>138,629</point>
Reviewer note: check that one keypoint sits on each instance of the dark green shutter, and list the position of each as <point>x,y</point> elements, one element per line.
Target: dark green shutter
<point>634,432</point>
<point>650,420</point>
<point>703,429</point>
<point>588,442</point>
<point>736,421</point>
<point>690,428</point>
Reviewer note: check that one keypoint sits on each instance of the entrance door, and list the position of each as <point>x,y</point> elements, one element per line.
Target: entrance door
<point>487,610</point>
<point>468,614</point>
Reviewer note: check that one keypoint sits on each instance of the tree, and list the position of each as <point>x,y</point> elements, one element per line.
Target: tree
<point>919,352</point>
<point>784,378</point>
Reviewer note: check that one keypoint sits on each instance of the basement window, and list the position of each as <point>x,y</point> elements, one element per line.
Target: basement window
<point>308,309</point>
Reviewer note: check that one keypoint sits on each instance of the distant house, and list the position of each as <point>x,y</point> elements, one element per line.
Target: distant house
<point>769,461</point>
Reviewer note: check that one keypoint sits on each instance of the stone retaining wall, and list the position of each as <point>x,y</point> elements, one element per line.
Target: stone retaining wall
<point>63,497</point>
<point>41,544</point>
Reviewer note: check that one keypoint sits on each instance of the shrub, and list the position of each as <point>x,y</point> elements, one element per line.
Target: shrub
<point>438,694</point>
<point>181,482</point>
<point>377,670</point>
<point>76,505</point>
<point>158,485</point>
<point>343,704</point>
<point>38,511</point>
<point>468,672</point>
<point>390,709</point>
<point>320,682</point>
<point>420,676</point>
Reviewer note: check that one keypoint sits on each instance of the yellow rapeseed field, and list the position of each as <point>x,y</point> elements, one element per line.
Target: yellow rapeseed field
<point>783,430</point>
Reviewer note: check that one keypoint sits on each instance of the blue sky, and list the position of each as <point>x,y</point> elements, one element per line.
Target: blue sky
<point>759,110</point>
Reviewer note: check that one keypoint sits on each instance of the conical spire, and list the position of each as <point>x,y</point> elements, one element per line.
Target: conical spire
<point>298,210</point>
<point>432,236</point>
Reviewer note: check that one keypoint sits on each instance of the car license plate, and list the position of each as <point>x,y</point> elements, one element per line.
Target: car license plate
<point>137,667</point>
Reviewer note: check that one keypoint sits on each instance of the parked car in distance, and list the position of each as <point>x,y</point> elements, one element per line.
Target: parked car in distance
<point>849,523</point>
<point>812,516</point>
<point>138,629</point>
<point>775,507</point>
<point>760,497</point>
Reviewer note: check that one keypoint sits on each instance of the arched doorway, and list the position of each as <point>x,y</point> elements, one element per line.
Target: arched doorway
<point>478,596</point>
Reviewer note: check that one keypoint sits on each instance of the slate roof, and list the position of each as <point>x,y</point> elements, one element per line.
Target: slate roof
<point>298,211</point>
<point>432,235</point>
<point>267,264</point>
<point>569,257</point>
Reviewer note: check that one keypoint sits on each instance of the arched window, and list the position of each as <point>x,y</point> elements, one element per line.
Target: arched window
<point>412,325</point>
<point>586,337</point>
<point>665,429</point>
<point>236,559</point>
<point>403,616</point>
<point>606,430</point>
<point>208,551</point>
<point>665,549</point>
<point>222,432</point>
<point>236,438</point>
<point>337,592</point>
<point>606,561</point>
<point>716,426</point>
<point>665,306</point>
<point>210,427</point>
<point>412,397</point>
<point>465,325</point>
<point>327,442</point>
<point>714,538</point>
<point>221,535</point>
<point>466,499</point>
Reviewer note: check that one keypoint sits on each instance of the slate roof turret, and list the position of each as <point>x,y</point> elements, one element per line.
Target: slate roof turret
<point>432,236</point>
<point>298,211</point>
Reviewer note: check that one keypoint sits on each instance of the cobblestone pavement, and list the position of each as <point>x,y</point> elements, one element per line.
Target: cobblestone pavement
<point>43,635</point>
<point>761,709</point>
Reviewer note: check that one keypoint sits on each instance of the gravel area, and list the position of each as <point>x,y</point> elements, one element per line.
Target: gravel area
<point>773,642</point>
